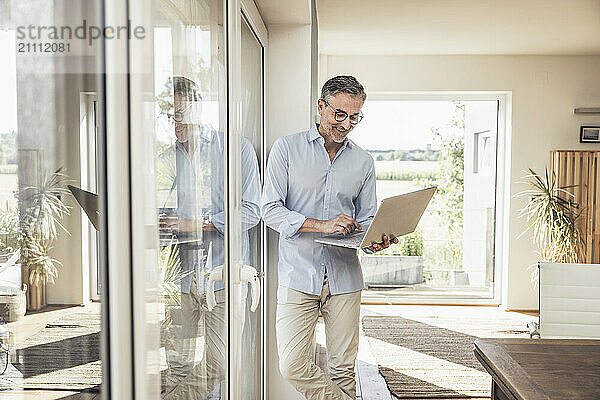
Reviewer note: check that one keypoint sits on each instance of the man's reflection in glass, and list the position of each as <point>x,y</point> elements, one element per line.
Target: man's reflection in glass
<point>196,356</point>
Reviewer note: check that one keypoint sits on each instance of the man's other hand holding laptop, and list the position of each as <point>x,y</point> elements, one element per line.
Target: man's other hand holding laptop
<point>384,244</point>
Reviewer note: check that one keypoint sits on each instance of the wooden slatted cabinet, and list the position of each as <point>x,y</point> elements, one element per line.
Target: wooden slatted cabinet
<point>582,169</point>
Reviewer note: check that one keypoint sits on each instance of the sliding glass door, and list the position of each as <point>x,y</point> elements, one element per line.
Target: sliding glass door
<point>148,115</point>
<point>190,88</point>
<point>50,331</point>
<point>196,120</point>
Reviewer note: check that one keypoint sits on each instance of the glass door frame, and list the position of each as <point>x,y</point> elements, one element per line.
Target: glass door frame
<point>89,150</point>
<point>115,211</point>
<point>252,18</point>
<point>236,10</point>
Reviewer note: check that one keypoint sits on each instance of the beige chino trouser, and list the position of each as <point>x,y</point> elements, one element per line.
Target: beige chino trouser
<point>189,381</point>
<point>297,314</point>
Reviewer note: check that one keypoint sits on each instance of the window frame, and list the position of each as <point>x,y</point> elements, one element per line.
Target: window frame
<point>502,195</point>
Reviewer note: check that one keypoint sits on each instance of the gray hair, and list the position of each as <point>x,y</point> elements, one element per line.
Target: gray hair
<point>343,84</point>
<point>186,88</point>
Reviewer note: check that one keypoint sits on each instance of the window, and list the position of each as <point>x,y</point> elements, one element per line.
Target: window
<point>450,144</point>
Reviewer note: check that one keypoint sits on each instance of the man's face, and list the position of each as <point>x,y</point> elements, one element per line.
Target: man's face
<point>182,131</point>
<point>333,130</point>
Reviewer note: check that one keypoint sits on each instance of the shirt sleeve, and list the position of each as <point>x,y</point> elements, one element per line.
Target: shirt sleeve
<point>250,191</point>
<point>366,201</point>
<point>250,187</point>
<point>186,206</point>
<point>274,212</point>
<point>218,220</point>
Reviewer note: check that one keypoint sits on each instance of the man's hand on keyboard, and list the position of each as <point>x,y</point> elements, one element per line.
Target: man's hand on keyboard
<point>342,223</point>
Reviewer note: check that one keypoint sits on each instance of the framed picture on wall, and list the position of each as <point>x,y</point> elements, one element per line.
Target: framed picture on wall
<point>589,134</point>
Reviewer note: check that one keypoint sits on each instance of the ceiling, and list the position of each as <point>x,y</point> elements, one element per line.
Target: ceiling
<point>549,27</point>
<point>284,12</point>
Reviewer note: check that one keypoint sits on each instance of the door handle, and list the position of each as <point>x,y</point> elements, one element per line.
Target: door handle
<point>248,274</point>
<point>215,275</point>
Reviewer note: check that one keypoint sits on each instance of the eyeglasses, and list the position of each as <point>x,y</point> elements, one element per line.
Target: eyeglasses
<point>340,115</point>
<point>178,115</point>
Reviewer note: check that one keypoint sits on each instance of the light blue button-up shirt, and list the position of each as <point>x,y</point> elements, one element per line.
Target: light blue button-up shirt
<point>200,193</point>
<point>301,182</point>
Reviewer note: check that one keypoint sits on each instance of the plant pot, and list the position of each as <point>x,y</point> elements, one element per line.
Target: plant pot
<point>36,296</point>
<point>459,278</point>
<point>12,303</point>
<point>392,270</point>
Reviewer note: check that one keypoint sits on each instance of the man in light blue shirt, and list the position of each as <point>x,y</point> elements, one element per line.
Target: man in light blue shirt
<point>320,182</point>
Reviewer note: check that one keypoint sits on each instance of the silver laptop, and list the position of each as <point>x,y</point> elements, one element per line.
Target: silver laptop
<point>396,216</point>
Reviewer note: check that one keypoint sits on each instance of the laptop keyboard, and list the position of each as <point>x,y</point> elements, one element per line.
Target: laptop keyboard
<point>352,240</point>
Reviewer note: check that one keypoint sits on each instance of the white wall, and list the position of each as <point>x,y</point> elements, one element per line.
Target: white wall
<point>48,116</point>
<point>288,79</point>
<point>72,285</point>
<point>49,123</point>
<point>545,89</point>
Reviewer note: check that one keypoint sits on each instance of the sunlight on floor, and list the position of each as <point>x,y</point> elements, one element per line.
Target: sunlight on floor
<point>427,368</point>
<point>448,373</point>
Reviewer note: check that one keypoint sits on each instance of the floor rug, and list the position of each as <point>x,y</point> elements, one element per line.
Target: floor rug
<point>421,359</point>
<point>65,354</point>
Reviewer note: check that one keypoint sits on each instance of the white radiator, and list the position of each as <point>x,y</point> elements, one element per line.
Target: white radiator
<point>569,300</point>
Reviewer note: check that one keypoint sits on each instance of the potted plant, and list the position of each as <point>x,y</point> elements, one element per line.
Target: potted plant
<point>9,232</point>
<point>12,289</point>
<point>399,265</point>
<point>42,209</point>
<point>10,269</point>
<point>169,265</point>
<point>553,217</point>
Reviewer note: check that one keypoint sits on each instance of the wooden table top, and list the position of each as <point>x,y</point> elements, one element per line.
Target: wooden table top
<point>535,369</point>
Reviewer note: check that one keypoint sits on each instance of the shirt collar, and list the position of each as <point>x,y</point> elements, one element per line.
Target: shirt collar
<point>204,136</point>
<point>313,134</point>
<point>346,143</point>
